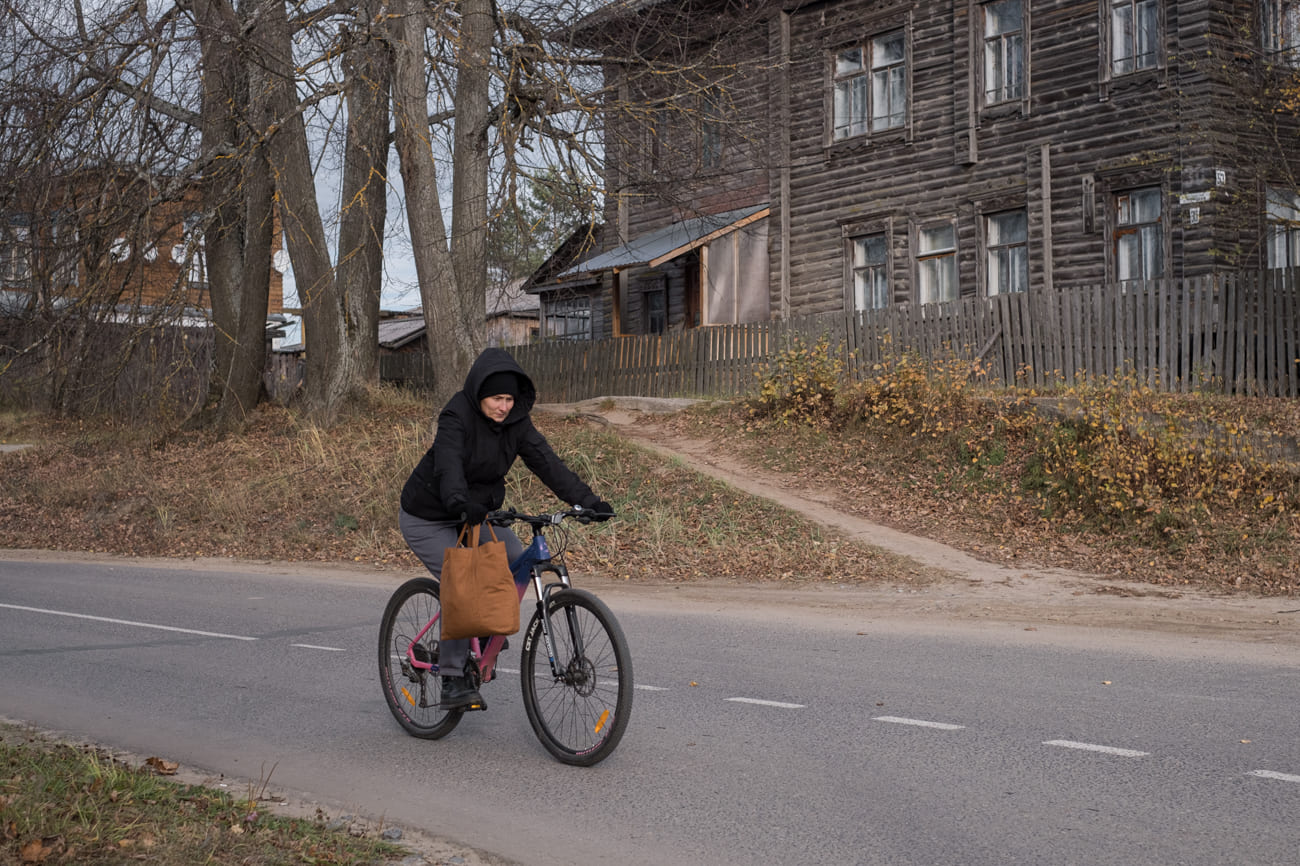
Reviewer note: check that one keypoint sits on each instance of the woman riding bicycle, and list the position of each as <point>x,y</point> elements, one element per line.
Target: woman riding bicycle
<point>461,478</point>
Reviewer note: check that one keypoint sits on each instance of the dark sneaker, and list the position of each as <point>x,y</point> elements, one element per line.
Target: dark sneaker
<point>459,694</point>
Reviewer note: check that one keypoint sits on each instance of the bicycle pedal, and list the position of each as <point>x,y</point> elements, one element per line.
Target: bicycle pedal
<point>481,705</point>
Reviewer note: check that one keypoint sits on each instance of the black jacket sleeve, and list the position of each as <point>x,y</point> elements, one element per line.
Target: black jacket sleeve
<point>448,466</point>
<point>546,465</point>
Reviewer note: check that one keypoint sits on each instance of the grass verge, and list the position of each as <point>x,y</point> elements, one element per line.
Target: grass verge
<point>62,804</point>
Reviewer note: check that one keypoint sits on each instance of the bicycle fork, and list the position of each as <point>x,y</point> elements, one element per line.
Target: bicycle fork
<point>543,592</point>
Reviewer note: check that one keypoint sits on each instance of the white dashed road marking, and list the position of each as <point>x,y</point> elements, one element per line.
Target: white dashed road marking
<point>1269,774</point>
<point>1093,747</point>
<point>779,704</point>
<point>920,723</point>
<point>328,649</point>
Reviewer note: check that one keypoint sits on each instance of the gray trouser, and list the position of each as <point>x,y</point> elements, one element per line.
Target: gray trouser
<point>428,540</point>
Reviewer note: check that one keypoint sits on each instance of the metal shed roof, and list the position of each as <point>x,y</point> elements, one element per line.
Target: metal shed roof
<point>669,242</point>
<point>395,333</point>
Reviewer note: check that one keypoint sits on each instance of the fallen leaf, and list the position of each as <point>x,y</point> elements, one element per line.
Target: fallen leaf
<point>1245,741</point>
<point>1105,682</point>
<point>694,683</point>
<point>166,768</point>
<point>37,850</point>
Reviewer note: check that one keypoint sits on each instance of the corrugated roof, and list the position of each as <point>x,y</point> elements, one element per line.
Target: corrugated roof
<point>670,241</point>
<point>395,333</point>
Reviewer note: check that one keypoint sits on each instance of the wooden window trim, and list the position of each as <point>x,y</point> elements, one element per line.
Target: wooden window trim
<point>979,93</point>
<point>914,238</point>
<point>851,231</point>
<point>1141,79</point>
<point>876,27</point>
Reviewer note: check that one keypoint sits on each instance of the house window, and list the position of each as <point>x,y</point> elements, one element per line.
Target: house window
<point>1004,51</point>
<point>711,132</point>
<point>567,318</point>
<point>655,304</point>
<point>654,140</point>
<point>66,249</point>
<point>1134,35</point>
<point>870,86</point>
<point>191,253</point>
<point>1139,235</point>
<point>936,264</point>
<point>16,251</point>
<point>1281,29</point>
<point>870,272</point>
<point>1283,213</point>
<point>1007,252</point>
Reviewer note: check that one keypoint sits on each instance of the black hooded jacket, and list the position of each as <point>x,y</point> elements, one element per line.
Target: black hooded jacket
<point>471,454</point>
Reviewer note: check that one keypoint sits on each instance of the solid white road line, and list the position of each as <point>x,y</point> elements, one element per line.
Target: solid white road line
<point>1269,774</point>
<point>1092,747</point>
<point>328,649</point>
<point>920,723</point>
<point>779,704</point>
<point>128,622</point>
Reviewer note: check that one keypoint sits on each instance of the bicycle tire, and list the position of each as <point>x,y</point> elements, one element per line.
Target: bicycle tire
<point>412,694</point>
<point>581,716</point>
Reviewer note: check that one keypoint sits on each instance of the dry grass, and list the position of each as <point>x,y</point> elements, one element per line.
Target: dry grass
<point>1113,477</point>
<point>68,804</point>
<point>287,491</point>
<point>1184,490</point>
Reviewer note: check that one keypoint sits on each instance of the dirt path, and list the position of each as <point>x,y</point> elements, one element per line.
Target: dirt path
<point>969,588</point>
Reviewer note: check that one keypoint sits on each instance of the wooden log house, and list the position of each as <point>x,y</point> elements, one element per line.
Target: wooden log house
<point>774,159</point>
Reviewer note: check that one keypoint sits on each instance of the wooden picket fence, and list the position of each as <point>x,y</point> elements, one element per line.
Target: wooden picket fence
<point>1236,333</point>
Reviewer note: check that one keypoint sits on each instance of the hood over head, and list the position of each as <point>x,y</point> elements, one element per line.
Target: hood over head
<point>492,361</point>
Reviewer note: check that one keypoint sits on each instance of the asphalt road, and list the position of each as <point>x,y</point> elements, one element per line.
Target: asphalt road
<point>759,735</point>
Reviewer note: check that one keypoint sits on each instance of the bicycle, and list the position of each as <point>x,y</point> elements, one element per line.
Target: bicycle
<point>575,670</point>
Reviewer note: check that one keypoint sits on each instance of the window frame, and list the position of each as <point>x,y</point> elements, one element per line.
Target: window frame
<point>712,145</point>
<point>990,248</point>
<point>883,269</point>
<point>1279,20</point>
<point>947,257</point>
<point>1106,45</point>
<point>16,251</point>
<point>650,315</point>
<point>862,130</point>
<point>1278,224</point>
<point>981,48</point>
<point>1119,230</point>
<point>568,309</point>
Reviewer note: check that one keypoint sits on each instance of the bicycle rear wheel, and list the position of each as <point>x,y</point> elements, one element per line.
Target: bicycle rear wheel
<point>413,692</point>
<point>579,715</point>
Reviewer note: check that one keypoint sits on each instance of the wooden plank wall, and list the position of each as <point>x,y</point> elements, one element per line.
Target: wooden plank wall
<point>1237,334</point>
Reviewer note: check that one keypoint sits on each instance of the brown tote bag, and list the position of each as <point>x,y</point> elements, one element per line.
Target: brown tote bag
<point>478,592</point>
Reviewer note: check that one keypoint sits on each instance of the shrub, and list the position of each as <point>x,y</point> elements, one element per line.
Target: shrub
<point>800,385</point>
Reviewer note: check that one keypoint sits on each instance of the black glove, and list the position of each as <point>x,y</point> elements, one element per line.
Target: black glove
<point>601,509</point>
<point>474,514</point>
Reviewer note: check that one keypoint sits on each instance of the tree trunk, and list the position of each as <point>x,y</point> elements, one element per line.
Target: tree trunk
<point>237,239</point>
<point>469,190</point>
<point>369,71</point>
<point>452,347</point>
<point>340,307</point>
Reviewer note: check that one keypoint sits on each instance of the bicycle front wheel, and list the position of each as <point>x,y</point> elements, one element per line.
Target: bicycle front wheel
<point>580,708</point>
<point>411,689</point>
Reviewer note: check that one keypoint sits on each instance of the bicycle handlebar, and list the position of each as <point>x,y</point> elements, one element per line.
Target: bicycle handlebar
<point>577,512</point>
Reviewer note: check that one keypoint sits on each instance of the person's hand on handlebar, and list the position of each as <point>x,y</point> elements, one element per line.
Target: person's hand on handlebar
<point>600,511</point>
<point>474,514</point>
